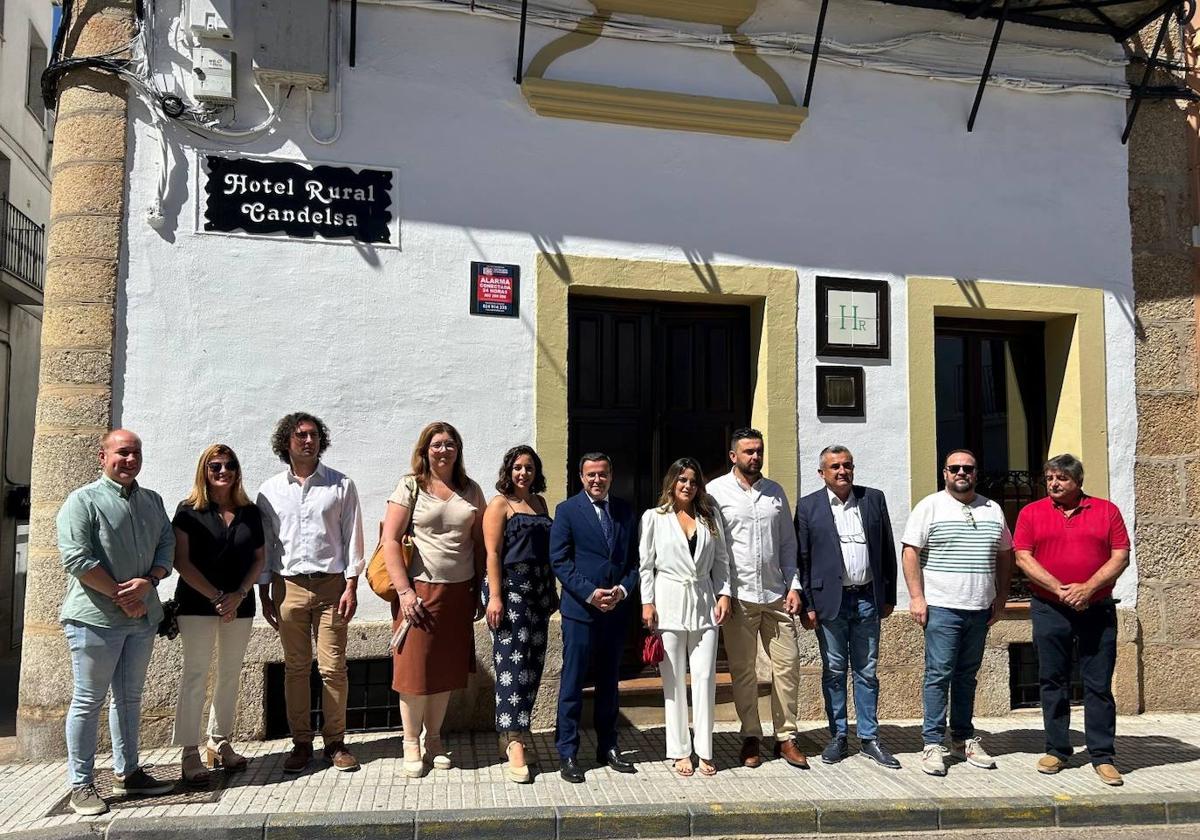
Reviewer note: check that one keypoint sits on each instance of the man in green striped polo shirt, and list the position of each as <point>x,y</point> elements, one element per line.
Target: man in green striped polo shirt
<point>958,560</point>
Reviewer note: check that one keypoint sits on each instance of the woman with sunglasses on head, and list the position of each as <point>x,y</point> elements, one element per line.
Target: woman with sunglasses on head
<point>437,592</point>
<point>685,596</point>
<point>520,596</point>
<point>219,555</point>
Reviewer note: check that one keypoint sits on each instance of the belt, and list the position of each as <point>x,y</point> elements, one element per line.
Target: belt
<point>311,575</point>
<point>869,586</point>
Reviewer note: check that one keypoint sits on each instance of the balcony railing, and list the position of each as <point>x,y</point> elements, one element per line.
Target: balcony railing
<point>22,246</point>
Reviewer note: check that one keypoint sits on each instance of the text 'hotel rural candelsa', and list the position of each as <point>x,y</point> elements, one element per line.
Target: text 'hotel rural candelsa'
<point>629,226</point>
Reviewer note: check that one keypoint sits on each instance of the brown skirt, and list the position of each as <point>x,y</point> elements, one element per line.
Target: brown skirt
<point>439,652</point>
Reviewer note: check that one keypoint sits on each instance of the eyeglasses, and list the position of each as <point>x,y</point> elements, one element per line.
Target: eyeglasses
<point>970,517</point>
<point>966,469</point>
<point>848,466</point>
<point>304,435</point>
<point>446,446</point>
<point>216,467</point>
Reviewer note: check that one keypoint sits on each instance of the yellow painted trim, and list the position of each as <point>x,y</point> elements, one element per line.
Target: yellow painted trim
<point>770,293</point>
<point>659,109</point>
<point>1077,391</point>
<point>718,12</point>
<point>663,109</point>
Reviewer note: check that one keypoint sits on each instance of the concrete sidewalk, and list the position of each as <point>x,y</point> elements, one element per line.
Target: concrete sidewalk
<point>1160,755</point>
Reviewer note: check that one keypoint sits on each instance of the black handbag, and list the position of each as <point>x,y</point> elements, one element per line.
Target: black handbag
<point>169,626</point>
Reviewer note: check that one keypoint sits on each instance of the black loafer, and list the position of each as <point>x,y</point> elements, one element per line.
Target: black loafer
<point>878,753</point>
<point>569,769</point>
<point>613,759</point>
<point>835,751</point>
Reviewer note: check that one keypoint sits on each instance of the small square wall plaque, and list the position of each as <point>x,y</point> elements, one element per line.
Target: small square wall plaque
<point>840,392</point>
<point>852,318</point>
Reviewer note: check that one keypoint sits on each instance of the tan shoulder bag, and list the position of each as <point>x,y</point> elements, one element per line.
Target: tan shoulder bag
<point>377,574</point>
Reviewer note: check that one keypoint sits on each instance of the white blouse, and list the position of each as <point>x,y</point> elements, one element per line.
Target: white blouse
<point>684,589</point>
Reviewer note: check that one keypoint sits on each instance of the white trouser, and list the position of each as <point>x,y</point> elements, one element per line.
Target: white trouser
<point>200,634</point>
<point>695,650</point>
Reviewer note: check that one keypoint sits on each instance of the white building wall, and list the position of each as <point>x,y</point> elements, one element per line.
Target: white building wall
<point>220,335</point>
<point>22,136</point>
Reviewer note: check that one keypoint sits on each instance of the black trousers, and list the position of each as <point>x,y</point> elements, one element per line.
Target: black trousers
<point>1056,628</point>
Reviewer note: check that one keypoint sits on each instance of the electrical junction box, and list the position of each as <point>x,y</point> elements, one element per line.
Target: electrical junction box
<point>213,75</point>
<point>211,18</point>
<point>291,43</point>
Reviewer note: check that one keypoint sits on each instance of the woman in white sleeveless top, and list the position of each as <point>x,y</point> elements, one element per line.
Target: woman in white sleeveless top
<point>685,597</point>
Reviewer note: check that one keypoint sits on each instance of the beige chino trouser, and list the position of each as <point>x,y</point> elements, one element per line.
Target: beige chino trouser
<point>307,608</point>
<point>747,625</point>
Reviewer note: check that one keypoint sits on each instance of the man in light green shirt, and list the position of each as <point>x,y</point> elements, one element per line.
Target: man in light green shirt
<point>116,544</point>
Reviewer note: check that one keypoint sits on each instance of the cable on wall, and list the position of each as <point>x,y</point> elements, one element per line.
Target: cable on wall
<point>871,55</point>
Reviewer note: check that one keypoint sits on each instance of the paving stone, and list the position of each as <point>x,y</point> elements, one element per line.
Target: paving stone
<point>216,827</point>
<point>484,824</point>
<point>371,825</point>
<point>731,819</point>
<point>871,815</point>
<point>1159,754</point>
<point>1131,809</point>
<point>996,812</point>
<point>579,822</point>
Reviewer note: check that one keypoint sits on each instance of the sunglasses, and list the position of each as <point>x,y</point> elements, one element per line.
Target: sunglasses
<point>966,469</point>
<point>216,467</point>
<point>969,516</point>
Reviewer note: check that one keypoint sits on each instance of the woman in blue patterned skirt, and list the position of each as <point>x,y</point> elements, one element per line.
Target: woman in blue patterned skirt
<point>520,596</point>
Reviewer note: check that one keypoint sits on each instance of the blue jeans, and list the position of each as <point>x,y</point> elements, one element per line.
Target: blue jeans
<point>102,657</point>
<point>851,638</point>
<point>953,653</point>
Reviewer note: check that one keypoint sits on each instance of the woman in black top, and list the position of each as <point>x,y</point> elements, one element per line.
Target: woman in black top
<point>520,596</point>
<point>219,556</point>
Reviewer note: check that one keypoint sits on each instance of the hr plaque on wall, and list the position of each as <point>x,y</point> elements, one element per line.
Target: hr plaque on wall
<point>840,392</point>
<point>852,318</point>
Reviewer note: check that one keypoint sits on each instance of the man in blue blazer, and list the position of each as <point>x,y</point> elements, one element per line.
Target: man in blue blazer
<point>847,567</point>
<point>593,550</point>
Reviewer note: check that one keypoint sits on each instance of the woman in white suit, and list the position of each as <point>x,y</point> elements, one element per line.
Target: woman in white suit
<point>685,597</point>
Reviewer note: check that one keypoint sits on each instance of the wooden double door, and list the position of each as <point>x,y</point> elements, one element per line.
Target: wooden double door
<point>649,383</point>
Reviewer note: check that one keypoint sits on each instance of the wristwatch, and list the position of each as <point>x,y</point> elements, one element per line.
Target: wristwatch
<point>153,580</point>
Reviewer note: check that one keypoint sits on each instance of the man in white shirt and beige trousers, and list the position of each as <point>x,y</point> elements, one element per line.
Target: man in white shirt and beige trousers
<point>766,597</point>
<point>309,590</point>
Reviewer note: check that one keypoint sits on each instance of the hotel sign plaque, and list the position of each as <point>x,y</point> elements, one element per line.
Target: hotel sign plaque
<point>298,200</point>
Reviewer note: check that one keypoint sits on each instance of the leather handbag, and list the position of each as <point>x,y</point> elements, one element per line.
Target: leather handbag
<point>377,574</point>
<point>653,651</point>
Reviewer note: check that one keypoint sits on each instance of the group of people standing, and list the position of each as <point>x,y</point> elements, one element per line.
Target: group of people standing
<point>724,558</point>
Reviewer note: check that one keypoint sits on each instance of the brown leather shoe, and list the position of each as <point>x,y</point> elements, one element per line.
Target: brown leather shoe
<point>298,758</point>
<point>1109,775</point>
<point>750,756</point>
<point>790,752</point>
<point>340,757</point>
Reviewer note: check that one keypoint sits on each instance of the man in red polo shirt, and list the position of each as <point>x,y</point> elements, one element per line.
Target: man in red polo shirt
<point>1073,547</point>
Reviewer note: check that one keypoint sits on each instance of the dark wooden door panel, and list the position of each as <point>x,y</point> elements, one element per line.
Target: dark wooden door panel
<point>649,383</point>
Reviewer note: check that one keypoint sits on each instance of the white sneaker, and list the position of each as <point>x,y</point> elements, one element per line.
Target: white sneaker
<point>972,752</point>
<point>933,759</point>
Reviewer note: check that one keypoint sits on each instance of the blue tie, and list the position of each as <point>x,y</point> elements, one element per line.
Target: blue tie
<point>606,523</point>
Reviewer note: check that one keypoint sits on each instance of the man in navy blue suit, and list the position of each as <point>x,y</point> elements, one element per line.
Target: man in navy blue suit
<point>847,565</point>
<point>593,550</point>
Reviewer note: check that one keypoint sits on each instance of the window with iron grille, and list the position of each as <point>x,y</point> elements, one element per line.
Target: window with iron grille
<point>1023,689</point>
<point>370,707</point>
